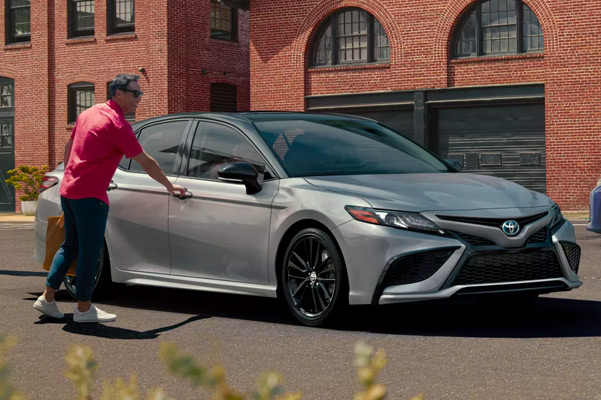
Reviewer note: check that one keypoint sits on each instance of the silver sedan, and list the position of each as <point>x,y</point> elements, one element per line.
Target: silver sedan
<point>324,211</point>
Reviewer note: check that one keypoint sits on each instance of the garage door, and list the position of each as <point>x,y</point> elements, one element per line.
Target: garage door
<point>399,120</point>
<point>507,141</point>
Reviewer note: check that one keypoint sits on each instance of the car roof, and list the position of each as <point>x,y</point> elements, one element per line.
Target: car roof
<point>254,116</point>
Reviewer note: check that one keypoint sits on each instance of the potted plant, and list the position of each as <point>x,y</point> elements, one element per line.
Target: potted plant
<point>28,179</point>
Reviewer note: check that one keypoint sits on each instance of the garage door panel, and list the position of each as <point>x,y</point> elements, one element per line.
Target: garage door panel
<point>507,141</point>
<point>399,120</point>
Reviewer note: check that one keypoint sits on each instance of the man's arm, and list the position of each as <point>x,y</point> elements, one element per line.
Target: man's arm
<point>67,154</point>
<point>153,169</point>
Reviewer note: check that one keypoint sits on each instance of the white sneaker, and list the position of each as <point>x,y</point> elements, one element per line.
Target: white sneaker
<point>46,308</point>
<point>94,314</point>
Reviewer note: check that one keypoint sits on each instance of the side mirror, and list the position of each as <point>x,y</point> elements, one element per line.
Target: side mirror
<point>456,164</point>
<point>242,173</point>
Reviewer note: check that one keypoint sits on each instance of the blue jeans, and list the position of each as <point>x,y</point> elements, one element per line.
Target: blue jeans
<point>85,223</point>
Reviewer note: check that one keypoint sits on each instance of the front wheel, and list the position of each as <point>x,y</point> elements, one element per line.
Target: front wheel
<point>102,278</point>
<point>314,281</point>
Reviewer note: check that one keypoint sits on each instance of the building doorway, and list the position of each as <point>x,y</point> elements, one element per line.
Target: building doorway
<point>7,148</point>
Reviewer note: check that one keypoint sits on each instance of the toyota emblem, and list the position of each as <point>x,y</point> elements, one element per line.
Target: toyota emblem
<point>511,227</point>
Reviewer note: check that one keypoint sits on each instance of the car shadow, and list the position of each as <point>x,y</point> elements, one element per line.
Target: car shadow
<point>461,317</point>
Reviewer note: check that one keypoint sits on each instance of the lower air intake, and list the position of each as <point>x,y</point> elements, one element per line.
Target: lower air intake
<point>509,267</point>
<point>416,267</point>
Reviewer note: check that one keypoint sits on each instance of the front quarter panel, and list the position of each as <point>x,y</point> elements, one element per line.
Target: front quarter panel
<point>299,201</point>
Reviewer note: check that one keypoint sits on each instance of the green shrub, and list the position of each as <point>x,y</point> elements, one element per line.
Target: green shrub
<point>27,178</point>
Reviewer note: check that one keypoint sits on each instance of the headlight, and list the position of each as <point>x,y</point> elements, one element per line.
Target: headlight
<point>395,219</point>
<point>557,216</point>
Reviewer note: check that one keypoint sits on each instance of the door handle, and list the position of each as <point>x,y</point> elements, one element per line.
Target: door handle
<point>187,195</point>
<point>112,186</point>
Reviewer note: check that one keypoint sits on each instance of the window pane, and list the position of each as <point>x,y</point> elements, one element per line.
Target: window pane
<point>84,99</point>
<point>322,54</point>
<point>6,98</point>
<point>499,29</point>
<point>533,33</point>
<point>161,142</point>
<point>381,45</point>
<point>214,145</point>
<point>352,41</point>
<point>22,20</point>
<point>466,40</point>
<point>84,15</point>
<point>221,17</point>
<point>124,12</point>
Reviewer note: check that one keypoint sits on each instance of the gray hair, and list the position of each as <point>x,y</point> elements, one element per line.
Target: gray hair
<point>121,81</point>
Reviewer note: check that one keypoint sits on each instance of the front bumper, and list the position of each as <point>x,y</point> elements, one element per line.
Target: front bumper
<point>540,260</point>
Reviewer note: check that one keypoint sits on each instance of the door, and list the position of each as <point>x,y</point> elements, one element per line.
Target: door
<point>137,228</point>
<point>7,151</point>
<point>221,232</point>
<point>506,141</point>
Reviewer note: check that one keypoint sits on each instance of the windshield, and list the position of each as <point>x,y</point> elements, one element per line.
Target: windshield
<point>326,145</point>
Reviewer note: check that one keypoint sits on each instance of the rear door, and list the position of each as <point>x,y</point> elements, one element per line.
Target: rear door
<point>137,228</point>
<point>221,232</point>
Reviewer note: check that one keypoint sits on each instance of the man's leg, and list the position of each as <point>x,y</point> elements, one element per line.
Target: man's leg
<point>90,216</point>
<point>60,265</point>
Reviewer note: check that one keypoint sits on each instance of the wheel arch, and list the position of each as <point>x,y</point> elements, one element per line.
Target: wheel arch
<point>293,230</point>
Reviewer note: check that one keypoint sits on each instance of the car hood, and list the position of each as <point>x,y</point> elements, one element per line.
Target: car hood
<point>433,191</point>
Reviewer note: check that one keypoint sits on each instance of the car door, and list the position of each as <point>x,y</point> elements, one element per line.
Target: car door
<point>221,232</point>
<point>137,228</point>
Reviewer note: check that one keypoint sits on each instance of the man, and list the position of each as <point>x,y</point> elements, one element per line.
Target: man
<point>100,138</point>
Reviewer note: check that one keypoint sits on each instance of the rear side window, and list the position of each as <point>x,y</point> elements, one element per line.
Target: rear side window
<point>161,142</point>
<point>216,144</point>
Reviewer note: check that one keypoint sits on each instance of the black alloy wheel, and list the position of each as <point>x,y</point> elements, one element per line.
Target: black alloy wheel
<point>102,279</point>
<point>314,277</point>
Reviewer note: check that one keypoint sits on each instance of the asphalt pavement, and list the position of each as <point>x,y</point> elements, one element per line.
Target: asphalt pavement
<point>456,349</point>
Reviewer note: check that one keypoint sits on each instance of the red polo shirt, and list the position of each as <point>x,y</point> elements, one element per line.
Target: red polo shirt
<point>101,136</point>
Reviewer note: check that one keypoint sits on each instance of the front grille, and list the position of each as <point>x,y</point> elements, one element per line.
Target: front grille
<point>572,251</point>
<point>509,267</point>
<point>539,237</point>
<point>523,221</point>
<point>416,267</point>
<point>473,240</point>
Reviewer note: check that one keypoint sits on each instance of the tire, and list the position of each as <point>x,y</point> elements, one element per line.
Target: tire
<point>313,278</point>
<point>102,280</point>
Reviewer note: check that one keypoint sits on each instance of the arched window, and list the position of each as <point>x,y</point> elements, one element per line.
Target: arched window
<point>80,98</point>
<point>497,27</point>
<point>350,36</point>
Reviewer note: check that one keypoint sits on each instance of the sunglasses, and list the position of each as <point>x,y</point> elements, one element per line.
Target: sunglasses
<point>136,93</point>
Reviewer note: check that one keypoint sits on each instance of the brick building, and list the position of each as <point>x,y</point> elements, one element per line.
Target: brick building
<point>507,87</point>
<point>59,56</point>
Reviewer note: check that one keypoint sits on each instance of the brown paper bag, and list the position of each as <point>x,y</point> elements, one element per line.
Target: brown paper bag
<point>55,236</point>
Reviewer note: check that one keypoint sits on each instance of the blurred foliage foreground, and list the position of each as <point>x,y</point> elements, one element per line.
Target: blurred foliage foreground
<point>82,373</point>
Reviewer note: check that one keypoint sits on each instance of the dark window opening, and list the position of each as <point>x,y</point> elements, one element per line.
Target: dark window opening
<point>120,16</point>
<point>350,36</point>
<point>498,27</point>
<point>81,18</point>
<point>18,21</point>
<point>224,22</point>
<point>215,145</point>
<point>224,97</point>
<point>161,141</point>
<point>80,98</point>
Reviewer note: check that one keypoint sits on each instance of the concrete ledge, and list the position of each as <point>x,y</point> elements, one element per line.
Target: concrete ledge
<point>14,217</point>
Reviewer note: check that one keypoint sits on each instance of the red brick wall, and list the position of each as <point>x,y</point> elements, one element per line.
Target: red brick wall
<point>419,34</point>
<point>191,50</point>
<point>171,43</point>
